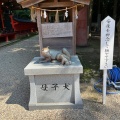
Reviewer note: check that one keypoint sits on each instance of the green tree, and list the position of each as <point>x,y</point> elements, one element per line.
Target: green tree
<point>103,8</point>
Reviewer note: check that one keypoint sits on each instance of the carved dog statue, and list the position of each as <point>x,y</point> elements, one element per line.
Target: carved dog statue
<point>61,56</point>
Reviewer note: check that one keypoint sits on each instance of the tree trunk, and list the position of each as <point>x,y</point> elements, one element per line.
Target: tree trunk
<point>99,16</point>
<point>90,15</point>
<point>115,9</point>
<point>105,10</point>
<point>118,29</point>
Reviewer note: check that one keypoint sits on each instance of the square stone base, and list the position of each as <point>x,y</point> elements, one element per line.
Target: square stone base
<point>53,86</point>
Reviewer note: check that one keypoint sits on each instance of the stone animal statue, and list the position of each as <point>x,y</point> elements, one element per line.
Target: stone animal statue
<point>61,56</point>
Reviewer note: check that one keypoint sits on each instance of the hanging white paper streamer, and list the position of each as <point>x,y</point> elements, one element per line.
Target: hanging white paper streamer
<point>41,13</point>
<point>66,13</point>
<point>76,12</point>
<point>45,14</point>
<point>33,15</point>
<point>57,17</point>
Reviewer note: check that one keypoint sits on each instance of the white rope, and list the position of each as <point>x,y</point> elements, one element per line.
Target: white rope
<point>59,9</point>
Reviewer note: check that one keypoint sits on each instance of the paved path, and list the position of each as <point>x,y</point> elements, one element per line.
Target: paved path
<point>14,90</point>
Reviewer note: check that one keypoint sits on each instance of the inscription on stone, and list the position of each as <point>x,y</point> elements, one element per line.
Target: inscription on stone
<point>49,93</point>
<point>50,30</point>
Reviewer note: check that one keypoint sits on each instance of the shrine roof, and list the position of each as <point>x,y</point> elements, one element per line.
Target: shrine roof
<point>29,3</point>
<point>86,2</point>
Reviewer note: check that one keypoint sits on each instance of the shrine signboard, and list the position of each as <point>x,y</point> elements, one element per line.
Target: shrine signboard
<point>107,43</point>
<point>107,46</point>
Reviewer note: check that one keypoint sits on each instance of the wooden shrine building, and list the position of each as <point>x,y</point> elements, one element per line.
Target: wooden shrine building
<point>56,20</point>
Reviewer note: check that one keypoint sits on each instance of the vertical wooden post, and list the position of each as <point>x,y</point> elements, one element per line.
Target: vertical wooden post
<point>55,1</point>
<point>1,16</point>
<point>47,19</point>
<point>74,31</point>
<point>39,29</point>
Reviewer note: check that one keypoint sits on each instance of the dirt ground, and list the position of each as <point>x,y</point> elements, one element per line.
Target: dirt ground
<point>90,58</point>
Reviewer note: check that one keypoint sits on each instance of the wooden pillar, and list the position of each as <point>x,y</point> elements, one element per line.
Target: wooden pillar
<point>1,16</point>
<point>11,20</point>
<point>47,19</point>
<point>74,31</point>
<point>55,1</point>
<point>39,29</point>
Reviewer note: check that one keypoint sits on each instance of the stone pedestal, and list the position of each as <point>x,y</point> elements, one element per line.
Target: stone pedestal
<point>54,86</point>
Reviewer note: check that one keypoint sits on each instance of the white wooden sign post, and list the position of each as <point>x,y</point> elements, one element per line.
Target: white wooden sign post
<point>106,52</point>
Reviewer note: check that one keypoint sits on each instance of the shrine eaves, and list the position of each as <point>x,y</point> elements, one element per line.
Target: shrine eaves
<point>57,3</point>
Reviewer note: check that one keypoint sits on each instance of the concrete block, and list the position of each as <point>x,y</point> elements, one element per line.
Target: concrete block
<point>54,86</point>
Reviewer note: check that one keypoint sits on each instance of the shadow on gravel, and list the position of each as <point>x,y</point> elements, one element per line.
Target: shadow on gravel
<point>20,94</point>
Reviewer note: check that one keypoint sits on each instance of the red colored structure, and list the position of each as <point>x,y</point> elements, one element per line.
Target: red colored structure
<point>18,26</point>
<point>21,26</point>
<point>8,36</point>
<point>1,17</point>
<point>82,33</point>
<point>5,36</point>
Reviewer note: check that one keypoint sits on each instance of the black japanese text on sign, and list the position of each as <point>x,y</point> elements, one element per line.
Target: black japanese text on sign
<point>107,43</point>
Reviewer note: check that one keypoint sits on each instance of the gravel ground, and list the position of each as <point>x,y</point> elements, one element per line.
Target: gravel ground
<point>14,90</point>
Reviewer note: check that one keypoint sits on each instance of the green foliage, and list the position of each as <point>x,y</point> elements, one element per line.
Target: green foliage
<point>105,8</point>
<point>22,14</point>
<point>88,74</point>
